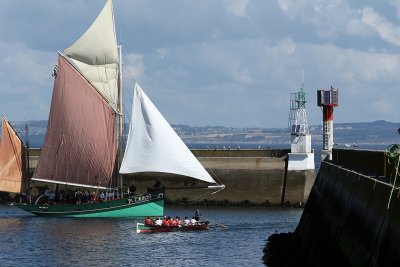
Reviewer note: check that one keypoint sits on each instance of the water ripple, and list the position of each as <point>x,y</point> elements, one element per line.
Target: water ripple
<point>35,241</point>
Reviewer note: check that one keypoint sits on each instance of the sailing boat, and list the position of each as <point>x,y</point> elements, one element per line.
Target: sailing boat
<point>83,137</point>
<point>12,152</point>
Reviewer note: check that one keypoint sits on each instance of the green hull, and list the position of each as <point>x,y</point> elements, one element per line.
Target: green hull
<point>139,206</point>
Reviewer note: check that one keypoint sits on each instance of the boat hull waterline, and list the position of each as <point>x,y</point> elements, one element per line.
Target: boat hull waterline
<point>119,208</point>
<point>142,228</point>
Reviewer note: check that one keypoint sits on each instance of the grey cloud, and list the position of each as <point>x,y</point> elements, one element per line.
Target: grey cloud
<point>203,63</point>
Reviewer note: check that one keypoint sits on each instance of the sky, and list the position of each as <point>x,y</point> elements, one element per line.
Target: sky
<point>230,63</point>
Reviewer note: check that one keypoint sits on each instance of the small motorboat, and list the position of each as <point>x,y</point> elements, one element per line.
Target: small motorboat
<point>150,228</point>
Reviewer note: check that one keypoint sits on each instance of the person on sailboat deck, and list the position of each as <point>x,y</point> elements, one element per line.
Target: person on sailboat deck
<point>93,196</point>
<point>131,190</point>
<point>102,196</point>
<point>157,188</point>
<point>197,215</point>
<point>47,194</point>
<point>52,197</point>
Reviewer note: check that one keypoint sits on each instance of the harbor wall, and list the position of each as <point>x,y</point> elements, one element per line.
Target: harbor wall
<point>251,176</point>
<point>348,219</point>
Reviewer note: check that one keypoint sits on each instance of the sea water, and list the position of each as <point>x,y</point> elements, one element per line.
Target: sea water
<point>236,237</point>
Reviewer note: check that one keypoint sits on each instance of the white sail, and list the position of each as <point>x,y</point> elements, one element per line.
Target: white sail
<point>95,55</point>
<point>153,146</point>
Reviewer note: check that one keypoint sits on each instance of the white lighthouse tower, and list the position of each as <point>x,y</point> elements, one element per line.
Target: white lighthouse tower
<point>301,156</point>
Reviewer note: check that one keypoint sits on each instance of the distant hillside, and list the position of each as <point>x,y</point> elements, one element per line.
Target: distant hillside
<point>377,132</point>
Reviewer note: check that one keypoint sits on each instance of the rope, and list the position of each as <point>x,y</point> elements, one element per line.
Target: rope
<point>213,173</point>
<point>197,199</point>
<point>214,222</point>
<point>9,204</point>
<point>393,154</point>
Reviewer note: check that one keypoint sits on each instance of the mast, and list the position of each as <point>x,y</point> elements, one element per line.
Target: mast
<point>120,120</point>
<point>27,165</point>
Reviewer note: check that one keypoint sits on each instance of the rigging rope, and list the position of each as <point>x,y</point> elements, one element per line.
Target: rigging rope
<point>196,199</point>
<point>393,154</point>
<point>213,173</point>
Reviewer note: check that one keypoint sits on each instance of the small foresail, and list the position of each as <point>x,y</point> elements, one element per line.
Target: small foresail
<point>11,152</point>
<point>80,144</point>
<point>153,146</point>
<point>95,55</point>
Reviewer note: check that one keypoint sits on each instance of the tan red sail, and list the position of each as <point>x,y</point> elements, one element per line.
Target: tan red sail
<point>11,152</point>
<point>80,145</point>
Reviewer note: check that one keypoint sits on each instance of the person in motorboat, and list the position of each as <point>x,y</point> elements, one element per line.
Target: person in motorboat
<point>193,221</point>
<point>165,221</point>
<point>148,221</point>
<point>197,215</point>
<point>158,222</point>
<point>186,221</point>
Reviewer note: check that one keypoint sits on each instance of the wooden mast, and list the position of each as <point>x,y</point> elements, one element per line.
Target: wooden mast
<point>120,121</point>
<point>27,164</point>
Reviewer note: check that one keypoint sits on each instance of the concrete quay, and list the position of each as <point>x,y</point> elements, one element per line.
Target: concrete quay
<point>253,177</point>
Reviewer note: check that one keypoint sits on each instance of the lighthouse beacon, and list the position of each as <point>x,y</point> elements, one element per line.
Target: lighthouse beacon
<point>302,156</point>
<point>328,100</point>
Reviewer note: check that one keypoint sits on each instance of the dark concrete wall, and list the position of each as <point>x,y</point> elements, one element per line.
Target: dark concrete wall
<point>370,162</point>
<point>346,216</point>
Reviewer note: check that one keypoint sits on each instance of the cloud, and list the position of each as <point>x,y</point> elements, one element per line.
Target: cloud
<point>285,46</point>
<point>210,62</point>
<point>396,4</point>
<point>357,28</point>
<point>162,52</point>
<point>284,5</point>
<point>134,65</point>
<point>384,106</point>
<point>25,80</point>
<point>385,29</point>
<point>236,7</point>
<point>329,19</point>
